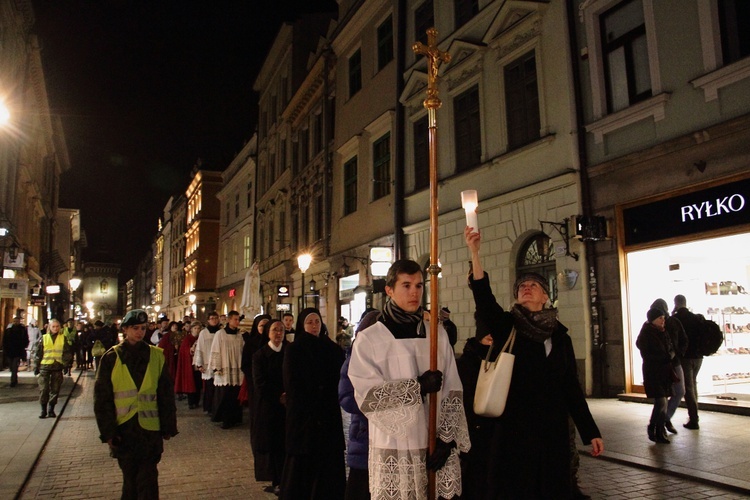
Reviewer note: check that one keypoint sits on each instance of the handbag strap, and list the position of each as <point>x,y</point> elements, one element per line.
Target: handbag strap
<point>511,341</point>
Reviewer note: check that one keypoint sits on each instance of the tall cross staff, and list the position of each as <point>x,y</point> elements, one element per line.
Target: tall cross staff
<point>432,103</point>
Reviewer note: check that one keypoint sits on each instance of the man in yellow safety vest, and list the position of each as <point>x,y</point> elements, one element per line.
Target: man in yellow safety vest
<point>53,353</point>
<point>135,408</point>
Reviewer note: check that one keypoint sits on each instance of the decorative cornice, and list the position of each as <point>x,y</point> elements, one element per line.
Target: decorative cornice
<point>503,49</point>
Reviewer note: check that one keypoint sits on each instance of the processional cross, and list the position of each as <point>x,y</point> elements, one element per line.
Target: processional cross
<point>434,58</point>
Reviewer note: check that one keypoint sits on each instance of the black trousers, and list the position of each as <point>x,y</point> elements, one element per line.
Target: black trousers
<point>140,478</point>
<point>228,410</point>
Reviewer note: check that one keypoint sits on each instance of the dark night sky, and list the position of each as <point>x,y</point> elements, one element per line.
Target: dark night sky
<point>145,88</point>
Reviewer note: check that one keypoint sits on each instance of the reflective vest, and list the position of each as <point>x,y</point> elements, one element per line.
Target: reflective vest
<point>53,349</point>
<point>129,400</point>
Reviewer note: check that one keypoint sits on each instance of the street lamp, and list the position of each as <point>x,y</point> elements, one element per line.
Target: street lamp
<point>4,114</point>
<point>303,261</point>
<point>74,283</point>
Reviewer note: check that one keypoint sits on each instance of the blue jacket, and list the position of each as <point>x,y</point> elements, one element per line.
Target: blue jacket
<point>359,436</point>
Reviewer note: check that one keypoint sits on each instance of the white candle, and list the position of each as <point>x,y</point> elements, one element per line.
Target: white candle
<point>469,203</point>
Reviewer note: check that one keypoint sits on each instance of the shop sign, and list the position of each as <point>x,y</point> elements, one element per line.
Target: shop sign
<point>283,307</point>
<point>11,288</point>
<point>346,295</point>
<point>282,291</point>
<point>37,301</point>
<point>714,208</point>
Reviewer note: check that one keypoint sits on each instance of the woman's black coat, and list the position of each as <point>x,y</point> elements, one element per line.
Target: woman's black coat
<point>269,414</point>
<point>311,377</point>
<point>530,452</point>
<point>657,353</point>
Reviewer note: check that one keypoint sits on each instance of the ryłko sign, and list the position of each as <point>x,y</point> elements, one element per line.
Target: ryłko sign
<point>713,208</point>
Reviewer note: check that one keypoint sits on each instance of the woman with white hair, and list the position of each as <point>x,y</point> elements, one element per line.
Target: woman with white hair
<point>529,455</point>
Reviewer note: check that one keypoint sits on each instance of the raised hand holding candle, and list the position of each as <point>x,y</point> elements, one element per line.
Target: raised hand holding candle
<point>469,203</point>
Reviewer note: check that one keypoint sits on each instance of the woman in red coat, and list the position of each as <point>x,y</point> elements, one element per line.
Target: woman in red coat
<point>188,380</point>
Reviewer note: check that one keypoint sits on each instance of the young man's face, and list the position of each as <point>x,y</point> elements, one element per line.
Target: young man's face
<point>407,291</point>
<point>213,320</point>
<point>288,322</point>
<point>223,319</point>
<point>234,321</point>
<point>163,325</point>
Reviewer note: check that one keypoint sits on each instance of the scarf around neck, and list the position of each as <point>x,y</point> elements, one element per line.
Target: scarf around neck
<point>538,325</point>
<point>394,313</point>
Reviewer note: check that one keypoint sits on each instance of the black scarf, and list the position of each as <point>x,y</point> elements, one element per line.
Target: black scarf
<point>403,321</point>
<point>537,325</point>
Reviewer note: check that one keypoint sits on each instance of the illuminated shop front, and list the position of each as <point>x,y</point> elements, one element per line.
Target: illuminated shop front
<point>695,243</point>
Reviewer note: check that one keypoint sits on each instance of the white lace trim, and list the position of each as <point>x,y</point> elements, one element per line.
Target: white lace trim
<point>393,406</point>
<point>402,475</point>
<point>452,421</point>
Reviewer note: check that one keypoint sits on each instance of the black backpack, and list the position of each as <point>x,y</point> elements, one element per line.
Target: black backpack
<point>711,337</point>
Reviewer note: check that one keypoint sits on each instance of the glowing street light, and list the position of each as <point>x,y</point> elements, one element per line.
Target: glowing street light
<point>303,261</point>
<point>4,114</point>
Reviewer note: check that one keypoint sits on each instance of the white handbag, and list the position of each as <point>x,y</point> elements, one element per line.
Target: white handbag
<point>494,381</point>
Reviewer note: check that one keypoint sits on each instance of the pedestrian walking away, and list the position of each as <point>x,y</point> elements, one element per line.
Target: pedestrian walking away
<point>15,342</point>
<point>135,408</point>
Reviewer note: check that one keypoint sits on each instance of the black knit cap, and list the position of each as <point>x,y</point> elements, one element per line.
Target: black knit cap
<point>654,313</point>
<point>530,277</point>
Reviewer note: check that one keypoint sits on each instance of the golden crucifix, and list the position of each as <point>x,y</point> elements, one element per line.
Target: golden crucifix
<point>432,103</point>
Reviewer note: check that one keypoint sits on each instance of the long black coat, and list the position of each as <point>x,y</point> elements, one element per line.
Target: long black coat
<point>269,414</point>
<point>530,452</point>
<point>657,353</point>
<point>311,376</point>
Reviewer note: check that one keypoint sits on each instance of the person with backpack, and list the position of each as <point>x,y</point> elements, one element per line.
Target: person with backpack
<point>679,340</point>
<point>692,360</point>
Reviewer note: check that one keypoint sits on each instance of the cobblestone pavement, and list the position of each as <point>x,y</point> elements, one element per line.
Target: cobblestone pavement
<point>204,461</point>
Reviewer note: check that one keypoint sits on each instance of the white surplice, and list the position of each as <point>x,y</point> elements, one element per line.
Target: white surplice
<point>384,371</point>
<point>226,358</point>
<point>202,356</point>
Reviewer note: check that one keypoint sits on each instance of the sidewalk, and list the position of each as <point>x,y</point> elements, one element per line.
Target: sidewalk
<point>22,433</point>
<point>717,454</point>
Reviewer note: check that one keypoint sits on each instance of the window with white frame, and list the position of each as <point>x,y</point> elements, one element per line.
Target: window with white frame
<point>521,100</point>
<point>385,42</point>
<point>421,154</point>
<point>350,186</point>
<point>467,129</point>
<point>246,251</point>
<point>625,55</point>
<point>623,64</point>
<point>381,167</point>
<point>725,40</point>
<point>355,72</point>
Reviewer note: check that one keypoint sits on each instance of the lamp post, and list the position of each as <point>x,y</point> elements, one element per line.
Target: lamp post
<point>303,261</point>
<point>74,283</point>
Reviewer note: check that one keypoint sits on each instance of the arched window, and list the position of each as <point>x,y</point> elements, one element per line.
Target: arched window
<point>535,257</point>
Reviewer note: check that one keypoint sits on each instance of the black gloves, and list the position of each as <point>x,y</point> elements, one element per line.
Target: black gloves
<point>430,381</point>
<point>442,452</point>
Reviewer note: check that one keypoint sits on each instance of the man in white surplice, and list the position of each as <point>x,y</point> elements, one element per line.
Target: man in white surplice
<point>390,372</point>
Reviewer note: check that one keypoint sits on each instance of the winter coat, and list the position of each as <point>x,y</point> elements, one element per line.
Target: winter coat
<point>15,341</point>
<point>657,353</point>
<point>530,447</point>
<point>269,414</point>
<point>692,325</point>
<point>311,375</point>
<point>474,464</point>
<point>678,337</point>
<point>359,435</point>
